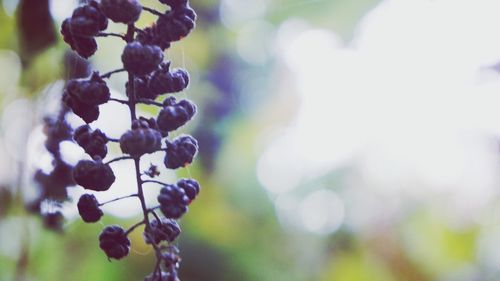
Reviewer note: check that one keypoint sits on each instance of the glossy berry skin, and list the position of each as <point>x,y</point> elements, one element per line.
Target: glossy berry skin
<point>88,208</point>
<point>93,91</point>
<point>176,25</point>
<point>93,142</point>
<point>190,186</point>
<point>139,59</point>
<point>124,11</point>
<point>93,175</point>
<point>164,82</point>
<point>172,117</point>
<point>140,140</point>
<point>114,242</point>
<point>173,201</point>
<point>180,152</point>
<point>168,230</point>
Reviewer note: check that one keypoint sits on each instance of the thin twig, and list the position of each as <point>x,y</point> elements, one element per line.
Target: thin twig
<point>108,74</point>
<point>134,227</point>
<point>119,159</point>
<point>150,102</point>
<point>119,198</point>
<point>153,11</point>
<point>112,139</point>
<point>106,34</point>
<point>119,100</point>
<point>154,181</point>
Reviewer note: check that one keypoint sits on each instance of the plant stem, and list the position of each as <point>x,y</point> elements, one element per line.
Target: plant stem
<point>108,74</point>
<point>134,227</point>
<point>154,181</point>
<point>118,159</point>
<point>119,198</point>
<point>152,11</point>
<point>150,102</point>
<point>106,34</point>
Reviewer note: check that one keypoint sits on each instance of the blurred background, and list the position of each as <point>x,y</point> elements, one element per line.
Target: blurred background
<point>341,140</point>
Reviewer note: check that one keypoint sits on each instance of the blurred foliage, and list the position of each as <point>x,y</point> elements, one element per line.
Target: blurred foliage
<point>232,231</point>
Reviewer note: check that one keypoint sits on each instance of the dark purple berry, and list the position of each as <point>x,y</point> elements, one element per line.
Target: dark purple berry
<point>86,21</point>
<point>167,230</point>
<point>93,175</point>
<point>173,201</point>
<point>88,113</point>
<point>53,221</point>
<point>124,11</point>
<point>140,140</point>
<point>88,207</point>
<point>176,24</point>
<point>93,142</point>
<point>84,46</point>
<point>93,91</point>
<point>163,82</point>
<point>141,59</point>
<point>139,88</point>
<point>114,242</point>
<point>149,37</point>
<point>53,185</point>
<point>180,152</point>
<point>172,117</point>
<point>191,187</point>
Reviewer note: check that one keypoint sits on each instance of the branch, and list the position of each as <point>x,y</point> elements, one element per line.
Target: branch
<point>118,159</point>
<point>119,198</point>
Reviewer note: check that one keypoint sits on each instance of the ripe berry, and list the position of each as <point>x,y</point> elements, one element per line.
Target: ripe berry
<point>93,91</point>
<point>93,175</point>
<point>88,20</point>
<point>176,24</point>
<point>167,230</point>
<point>88,207</point>
<point>114,242</point>
<point>124,11</point>
<point>93,142</point>
<point>141,59</point>
<point>180,152</point>
<point>84,46</point>
<point>148,36</point>
<point>88,113</point>
<point>53,221</point>
<point>174,116</point>
<point>173,201</point>
<point>191,187</point>
<point>163,82</point>
<point>140,140</point>
<point>140,89</point>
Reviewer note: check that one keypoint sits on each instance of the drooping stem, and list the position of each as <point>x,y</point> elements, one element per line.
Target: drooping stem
<point>118,159</point>
<point>154,181</point>
<point>152,11</point>
<point>119,198</point>
<point>150,102</point>
<point>106,34</point>
<point>134,227</point>
<point>108,74</point>
<point>119,100</point>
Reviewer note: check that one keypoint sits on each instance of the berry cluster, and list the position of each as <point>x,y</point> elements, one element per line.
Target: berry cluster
<point>149,78</point>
